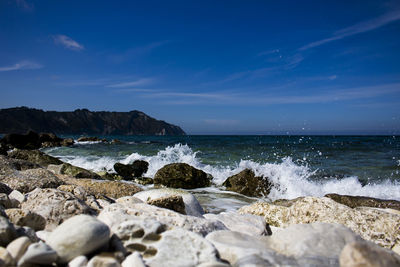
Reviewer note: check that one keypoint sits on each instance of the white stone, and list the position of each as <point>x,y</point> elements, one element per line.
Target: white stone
<point>243,223</point>
<point>18,247</point>
<point>79,261</point>
<point>18,196</point>
<point>43,235</point>
<point>38,253</point>
<point>128,200</point>
<point>133,260</point>
<point>6,257</point>
<point>103,261</point>
<point>192,205</point>
<point>78,235</point>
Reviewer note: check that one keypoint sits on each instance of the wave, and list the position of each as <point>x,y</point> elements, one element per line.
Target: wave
<point>290,180</point>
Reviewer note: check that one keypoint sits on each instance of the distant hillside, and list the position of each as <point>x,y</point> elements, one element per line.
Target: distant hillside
<point>83,121</point>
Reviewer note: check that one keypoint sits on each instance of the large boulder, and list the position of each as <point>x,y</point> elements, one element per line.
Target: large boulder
<point>30,140</point>
<point>181,175</point>
<point>377,225</point>
<point>136,169</point>
<point>247,183</point>
<point>361,201</point>
<point>54,205</point>
<point>10,165</point>
<point>35,156</point>
<point>78,172</point>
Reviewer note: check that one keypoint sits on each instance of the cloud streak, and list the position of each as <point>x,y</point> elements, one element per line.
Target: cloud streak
<point>67,42</point>
<point>140,82</point>
<point>358,28</point>
<point>23,65</point>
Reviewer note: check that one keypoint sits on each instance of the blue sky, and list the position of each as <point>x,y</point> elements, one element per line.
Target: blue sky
<point>211,67</point>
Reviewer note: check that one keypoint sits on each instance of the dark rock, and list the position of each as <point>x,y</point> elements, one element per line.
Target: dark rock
<point>49,140</point>
<point>7,232</point>
<point>29,140</point>
<point>35,156</point>
<point>90,139</point>
<point>139,167</point>
<point>77,172</point>
<point>174,203</point>
<point>181,175</point>
<point>10,166</point>
<point>110,176</point>
<point>83,121</point>
<point>360,201</point>
<point>136,169</point>
<point>115,141</point>
<point>67,142</point>
<point>3,149</point>
<point>5,189</point>
<point>248,184</point>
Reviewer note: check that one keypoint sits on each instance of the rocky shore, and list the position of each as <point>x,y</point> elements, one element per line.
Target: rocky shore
<point>56,214</point>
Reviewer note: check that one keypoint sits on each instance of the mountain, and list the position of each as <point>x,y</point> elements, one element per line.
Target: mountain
<point>83,121</point>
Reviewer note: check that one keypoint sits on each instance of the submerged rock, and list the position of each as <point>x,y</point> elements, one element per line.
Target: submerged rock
<point>35,156</point>
<point>247,183</point>
<point>181,175</point>
<point>361,201</point>
<point>372,224</point>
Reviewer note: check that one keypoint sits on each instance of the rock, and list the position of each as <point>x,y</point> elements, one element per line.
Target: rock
<point>7,231</point>
<point>43,235</point>
<point>9,166</point>
<point>67,142</point>
<point>6,258</point>
<point>49,140</point>
<point>77,172</point>
<point>192,206</point>
<point>38,253</point>
<point>90,139</point>
<point>26,218</point>
<point>3,149</point>
<point>174,203</point>
<point>136,169</point>
<point>377,225</point>
<point>360,201</point>
<point>5,202</point>
<point>367,254</point>
<point>115,141</point>
<point>143,180</point>
<point>28,232</point>
<point>243,223</point>
<point>17,196</point>
<point>181,175</point>
<point>77,191</point>
<point>128,200</point>
<point>103,260</point>
<point>80,261</point>
<point>28,180</point>
<point>247,183</point>
<point>79,235</point>
<point>56,169</point>
<point>55,206</point>
<point>30,140</point>
<point>5,189</point>
<point>110,176</point>
<point>135,259</point>
<point>18,247</point>
<point>112,189</point>
<point>114,214</point>
<point>35,156</point>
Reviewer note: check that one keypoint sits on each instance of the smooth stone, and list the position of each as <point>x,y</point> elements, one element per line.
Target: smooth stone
<point>115,214</point>
<point>180,248</point>
<point>39,253</point>
<point>26,218</point>
<point>43,235</point>
<point>103,260</point>
<point>79,235</point>
<point>133,260</point>
<point>243,223</point>
<point>192,205</point>
<point>6,257</point>
<point>79,261</point>
<point>18,247</point>
<point>18,196</point>
<point>7,231</point>
<point>128,200</point>
<point>54,205</point>
<point>367,254</point>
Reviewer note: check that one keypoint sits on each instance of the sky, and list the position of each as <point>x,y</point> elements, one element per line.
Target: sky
<point>211,67</point>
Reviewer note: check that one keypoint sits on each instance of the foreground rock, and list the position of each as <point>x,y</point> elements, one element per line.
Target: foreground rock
<point>35,156</point>
<point>79,235</point>
<point>54,206</point>
<point>377,225</point>
<point>7,231</point>
<point>77,172</point>
<point>181,175</point>
<point>136,169</point>
<point>360,201</point>
<point>247,183</point>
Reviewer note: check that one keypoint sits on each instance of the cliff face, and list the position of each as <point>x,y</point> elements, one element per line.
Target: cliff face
<point>83,121</point>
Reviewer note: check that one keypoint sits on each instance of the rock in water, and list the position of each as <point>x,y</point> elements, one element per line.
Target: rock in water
<point>360,201</point>
<point>247,183</point>
<point>136,169</point>
<point>79,235</point>
<point>181,175</point>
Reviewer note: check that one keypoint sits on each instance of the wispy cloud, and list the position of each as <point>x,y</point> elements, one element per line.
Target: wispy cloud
<point>137,51</point>
<point>23,65</point>
<point>67,42</point>
<point>139,82</point>
<point>136,90</point>
<point>361,27</point>
<point>25,5</point>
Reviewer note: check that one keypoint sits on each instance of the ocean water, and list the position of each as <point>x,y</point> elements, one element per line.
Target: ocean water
<point>297,165</point>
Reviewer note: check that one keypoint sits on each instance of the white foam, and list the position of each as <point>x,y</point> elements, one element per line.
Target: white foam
<point>290,179</point>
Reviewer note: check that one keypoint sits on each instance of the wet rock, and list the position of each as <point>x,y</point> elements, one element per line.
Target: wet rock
<point>5,189</point>
<point>376,225</point>
<point>77,172</point>
<point>55,206</point>
<point>38,253</point>
<point>79,235</point>
<point>136,169</point>
<point>247,183</point>
<point>90,139</point>
<point>35,156</point>
<point>67,142</point>
<point>18,247</point>
<point>181,175</point>
<point>7,231</point>
<point>101,188</point>
<point>115,214</point>
<point>358,254</point>
<point>26,218</point>
<point>103,260</point>
<point>191,204</point>
<point>243,223</point>
<point>360,201</point>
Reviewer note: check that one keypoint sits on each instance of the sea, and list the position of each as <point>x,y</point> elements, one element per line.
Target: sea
<point>297,165</point>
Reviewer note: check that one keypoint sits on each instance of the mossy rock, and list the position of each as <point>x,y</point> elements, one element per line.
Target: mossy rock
<point>77,172</point>
<point>361,201</point>
<point>35,156</point>
<point>181,175</point>
<point>247,183</point>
